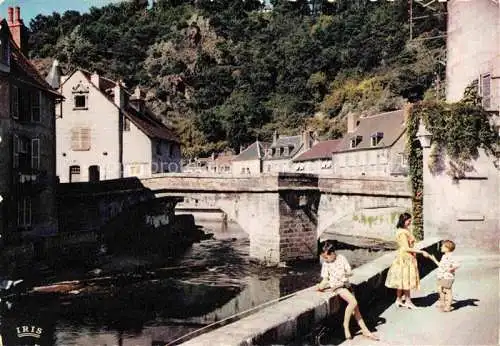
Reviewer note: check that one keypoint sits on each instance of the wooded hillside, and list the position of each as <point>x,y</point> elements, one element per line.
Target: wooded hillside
<point>224,72</point>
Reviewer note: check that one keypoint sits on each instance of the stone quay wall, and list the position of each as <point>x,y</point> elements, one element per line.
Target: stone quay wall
<point>296,316</point>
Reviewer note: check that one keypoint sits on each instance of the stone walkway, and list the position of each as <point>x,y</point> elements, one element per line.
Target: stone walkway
<point>475,320</point>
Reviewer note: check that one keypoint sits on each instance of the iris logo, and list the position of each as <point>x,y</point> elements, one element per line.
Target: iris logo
<point>29,331</point>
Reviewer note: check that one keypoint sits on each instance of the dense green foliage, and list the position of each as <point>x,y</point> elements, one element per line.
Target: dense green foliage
<point>458,130</point>
<point>225,72</point>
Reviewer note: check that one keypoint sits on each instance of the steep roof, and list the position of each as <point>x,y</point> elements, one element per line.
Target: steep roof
<point>321,150</point>
<point>293,142</point>
<point>146,121</point>
<point>22,69</point>
<point>391,125</point>
<point>254,151</point>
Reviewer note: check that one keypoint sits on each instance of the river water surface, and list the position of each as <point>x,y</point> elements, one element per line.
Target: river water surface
<point>218,281</point>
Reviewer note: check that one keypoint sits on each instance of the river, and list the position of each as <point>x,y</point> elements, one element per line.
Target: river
<point>218,281</point>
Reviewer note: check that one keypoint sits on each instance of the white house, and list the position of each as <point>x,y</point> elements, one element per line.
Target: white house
<point>276,156</point>
<point>105,132</point>
<point>372,146</point>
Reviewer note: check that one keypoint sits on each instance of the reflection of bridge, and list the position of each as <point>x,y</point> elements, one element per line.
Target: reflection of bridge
<point>284,214</point>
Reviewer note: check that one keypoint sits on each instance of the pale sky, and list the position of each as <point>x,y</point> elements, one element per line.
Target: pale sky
<point>30,8</point>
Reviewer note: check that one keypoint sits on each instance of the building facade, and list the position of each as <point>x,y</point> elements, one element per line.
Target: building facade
<point>27,145</point>
<point>465,209</point>
<point>472,50</point>
<point>372,146</point>
<point>272,157</point>
<point>105,132</point>
<point>317,160</point>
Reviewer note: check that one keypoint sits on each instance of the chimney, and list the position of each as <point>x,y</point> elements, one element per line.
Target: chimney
<point>17,29</point>
<point>119,95</point>
<point>137,101</point>
<point>352,122</point>
<point>10,18</point>
<point>137,93</point>
<point>95,79</point>
<point>307,139</point>
<point>241,148</point>
<point>275,137</point>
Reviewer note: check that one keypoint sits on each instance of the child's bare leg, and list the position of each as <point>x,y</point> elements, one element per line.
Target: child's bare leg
<point>364,329</point>
<point>399,296</point>
<point>440,303</point>
<point>349,310</point>
<point>447,299</point>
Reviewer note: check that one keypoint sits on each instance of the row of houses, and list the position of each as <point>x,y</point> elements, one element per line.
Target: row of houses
<point>372,146</point>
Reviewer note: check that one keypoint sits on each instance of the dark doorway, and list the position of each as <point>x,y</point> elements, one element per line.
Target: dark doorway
<point>94,174</point>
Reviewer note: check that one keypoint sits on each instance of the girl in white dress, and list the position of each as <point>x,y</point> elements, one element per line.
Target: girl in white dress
<point>335,272</point>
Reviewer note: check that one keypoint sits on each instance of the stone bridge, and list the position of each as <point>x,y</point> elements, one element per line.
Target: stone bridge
<point>284,214</point>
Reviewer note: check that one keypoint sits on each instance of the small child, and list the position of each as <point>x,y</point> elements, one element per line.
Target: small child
<point>446,275</point>
<point>335,272</point>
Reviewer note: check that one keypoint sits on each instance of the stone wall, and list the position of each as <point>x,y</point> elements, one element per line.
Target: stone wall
<point>465,210</point>
<point>280,322</point>
<point>472,47</point>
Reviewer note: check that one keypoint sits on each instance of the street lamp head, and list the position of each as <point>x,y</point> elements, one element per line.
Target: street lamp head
<point>424,136</point>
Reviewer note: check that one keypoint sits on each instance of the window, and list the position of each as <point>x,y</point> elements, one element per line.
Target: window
<point>14,102</point>
<point>375,138</point>
<point>355,141</point>
<point>35,153</point>
<point>24,212</point>
<point>74,174</point>
<point>94,174</point>
<point>80,139</point>
<point>171,150</point>
<point>80,102</point>
<point>35,106</point>
<point>158,148</point>
<point>21,152</point>
<point>126,124</point>
<point>486,90</point>
<point>404,160</point>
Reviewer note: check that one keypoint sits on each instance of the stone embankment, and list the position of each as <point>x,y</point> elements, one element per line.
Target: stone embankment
<point>298,315</point>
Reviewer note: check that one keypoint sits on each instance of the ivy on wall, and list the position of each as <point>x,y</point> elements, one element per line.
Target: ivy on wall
<point>458,131</point>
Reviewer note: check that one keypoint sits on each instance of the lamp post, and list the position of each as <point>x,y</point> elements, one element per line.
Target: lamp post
<point>424,136</point>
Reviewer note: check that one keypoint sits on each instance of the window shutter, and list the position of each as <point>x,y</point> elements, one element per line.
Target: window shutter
<point>15,151</point>
<point>14,102</point>
<point>35,153</point>
<point>85,138</point>
<point>36,106</point>
<point>75,138</point>
<point>486,90</point>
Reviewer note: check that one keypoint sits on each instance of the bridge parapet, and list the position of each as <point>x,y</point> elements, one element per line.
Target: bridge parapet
<point>264,183</point>
<point>384,186</point>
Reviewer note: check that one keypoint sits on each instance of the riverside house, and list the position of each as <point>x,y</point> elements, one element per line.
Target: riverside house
<point>27,140</point>
<point>373,146</point>
<point>106,132</point>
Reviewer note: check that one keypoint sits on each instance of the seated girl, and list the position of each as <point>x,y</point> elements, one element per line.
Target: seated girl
<point>335,272</point>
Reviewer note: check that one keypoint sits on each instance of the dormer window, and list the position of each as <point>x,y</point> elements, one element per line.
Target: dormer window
<point>80,102</point>
<point>80,96</point>
<point>376,138</point>
<point>286,151</point>
<point>355,141</point>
